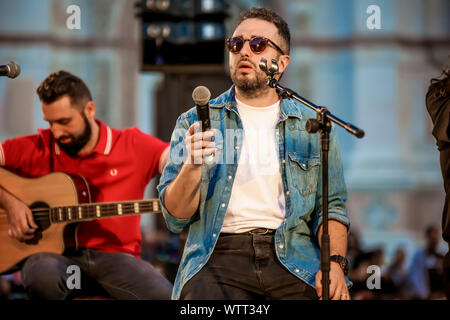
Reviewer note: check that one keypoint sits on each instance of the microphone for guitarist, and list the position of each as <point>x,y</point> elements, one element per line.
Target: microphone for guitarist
<point>201,96</point>
<point>11,70</point>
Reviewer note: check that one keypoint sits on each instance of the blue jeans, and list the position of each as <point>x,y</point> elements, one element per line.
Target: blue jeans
<point>119,275</point>
<point>245,267</point>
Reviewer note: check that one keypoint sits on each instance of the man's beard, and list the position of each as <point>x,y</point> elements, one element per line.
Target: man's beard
<point>251,87</point>
<point>77,143</point>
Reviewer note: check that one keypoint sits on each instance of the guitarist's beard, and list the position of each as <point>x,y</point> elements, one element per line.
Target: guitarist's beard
<point>77,143</point>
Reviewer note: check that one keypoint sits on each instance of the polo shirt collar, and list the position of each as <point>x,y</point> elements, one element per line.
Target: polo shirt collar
<point>105,139</point>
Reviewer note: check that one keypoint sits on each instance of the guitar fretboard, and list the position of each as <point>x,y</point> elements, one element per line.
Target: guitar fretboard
<point>103,210</point>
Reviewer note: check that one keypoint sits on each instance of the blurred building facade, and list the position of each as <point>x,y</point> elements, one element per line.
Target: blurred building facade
<point>376,77</point>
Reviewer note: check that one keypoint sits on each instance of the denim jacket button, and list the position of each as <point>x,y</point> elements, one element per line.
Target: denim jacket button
<point>281,246</point>
<point>297,270</point>
<point>230,177</point>
<point>288,193</point>
<point>223,205</point>
<point>283,161</point>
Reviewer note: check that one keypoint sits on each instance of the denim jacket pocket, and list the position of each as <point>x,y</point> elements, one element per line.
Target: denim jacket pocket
<point>305,172</point>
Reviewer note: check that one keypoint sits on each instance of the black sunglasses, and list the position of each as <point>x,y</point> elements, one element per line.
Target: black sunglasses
<point>257,44</point>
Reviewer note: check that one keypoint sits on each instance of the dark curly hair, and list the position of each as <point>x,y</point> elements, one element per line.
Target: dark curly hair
<point>269,15</point>
<point>61,83</point>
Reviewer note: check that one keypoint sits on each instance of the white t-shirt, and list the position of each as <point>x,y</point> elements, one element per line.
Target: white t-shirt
<point>257,198</point>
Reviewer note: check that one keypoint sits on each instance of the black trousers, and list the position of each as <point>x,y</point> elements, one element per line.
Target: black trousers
<point>245,267</point>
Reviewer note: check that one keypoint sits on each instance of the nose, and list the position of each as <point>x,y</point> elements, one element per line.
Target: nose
<point>246,51</point>
<point>56,130</point>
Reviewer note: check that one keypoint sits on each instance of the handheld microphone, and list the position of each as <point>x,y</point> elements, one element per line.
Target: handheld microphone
<point>201,96</point>
<point>11,70</point>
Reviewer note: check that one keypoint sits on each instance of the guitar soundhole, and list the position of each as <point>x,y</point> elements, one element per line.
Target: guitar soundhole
<point>41,215</point>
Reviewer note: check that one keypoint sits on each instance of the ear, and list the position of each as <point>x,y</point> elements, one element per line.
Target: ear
<point>283,62</point>
<point>89,110</point>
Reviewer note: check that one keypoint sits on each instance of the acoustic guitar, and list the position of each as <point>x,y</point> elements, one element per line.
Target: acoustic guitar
<point>57,201</point>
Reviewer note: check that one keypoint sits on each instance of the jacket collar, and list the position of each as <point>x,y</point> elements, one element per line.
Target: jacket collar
<point>288,108</point>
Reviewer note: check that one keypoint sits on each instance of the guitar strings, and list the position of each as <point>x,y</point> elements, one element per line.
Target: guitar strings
<point>37,210</point>
<point>42,214</point>
<point>76,218</point>
<point>109,207</point>
<point>107,210</point>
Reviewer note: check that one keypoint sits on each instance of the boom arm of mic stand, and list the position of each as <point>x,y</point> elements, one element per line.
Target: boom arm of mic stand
<point>287,93</point>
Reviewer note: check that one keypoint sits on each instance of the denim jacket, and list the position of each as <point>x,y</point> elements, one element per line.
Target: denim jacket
<point>296,241</point>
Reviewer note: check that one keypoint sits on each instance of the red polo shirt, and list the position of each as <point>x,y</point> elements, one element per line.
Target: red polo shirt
<point>118,169</point>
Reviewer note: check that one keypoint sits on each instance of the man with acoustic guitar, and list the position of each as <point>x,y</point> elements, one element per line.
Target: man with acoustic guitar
<point>117,165</point>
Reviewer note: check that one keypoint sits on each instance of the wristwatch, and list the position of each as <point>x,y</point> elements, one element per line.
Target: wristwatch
<point>343,262</point>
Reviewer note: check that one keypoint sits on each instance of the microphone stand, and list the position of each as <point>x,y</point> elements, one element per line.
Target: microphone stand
<point>321,124</point>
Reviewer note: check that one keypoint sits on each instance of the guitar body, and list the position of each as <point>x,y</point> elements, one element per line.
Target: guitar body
<point>52,190</point>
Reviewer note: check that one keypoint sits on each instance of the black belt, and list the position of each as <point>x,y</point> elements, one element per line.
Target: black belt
<point>260,231</point>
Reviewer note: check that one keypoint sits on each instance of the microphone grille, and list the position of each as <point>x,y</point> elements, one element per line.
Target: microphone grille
<point>201,95</point>
<point>14,69</point>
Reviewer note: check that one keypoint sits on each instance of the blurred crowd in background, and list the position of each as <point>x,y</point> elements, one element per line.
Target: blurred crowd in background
<point>420,278</point>
<point>402,278</point>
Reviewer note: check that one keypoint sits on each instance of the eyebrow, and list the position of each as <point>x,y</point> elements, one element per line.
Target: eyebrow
<point>58,120</point>
<point>252,36</point>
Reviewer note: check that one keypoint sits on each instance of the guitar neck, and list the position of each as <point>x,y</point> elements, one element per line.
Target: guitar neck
<point>85,212</point>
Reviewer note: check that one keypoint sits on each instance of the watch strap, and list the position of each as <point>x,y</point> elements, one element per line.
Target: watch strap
<point>343,262</point>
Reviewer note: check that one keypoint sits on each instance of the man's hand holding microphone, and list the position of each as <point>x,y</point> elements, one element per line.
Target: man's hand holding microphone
<point>183,194</point>
<point>199,137</point>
